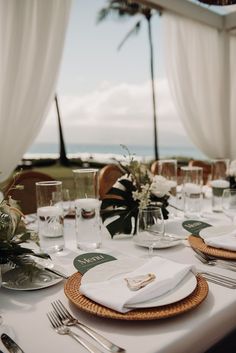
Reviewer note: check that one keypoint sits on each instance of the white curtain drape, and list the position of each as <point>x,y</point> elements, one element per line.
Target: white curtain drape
<point>198,61</point>
<point>31,46</point>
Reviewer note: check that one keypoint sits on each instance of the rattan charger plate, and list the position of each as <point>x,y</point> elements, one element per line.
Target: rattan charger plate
<point>198,243</point>
<point>72,292</point>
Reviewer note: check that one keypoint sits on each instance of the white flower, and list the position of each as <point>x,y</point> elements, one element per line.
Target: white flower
<point>232,168</point>
<point>143,196</point>
<point>160,186</point>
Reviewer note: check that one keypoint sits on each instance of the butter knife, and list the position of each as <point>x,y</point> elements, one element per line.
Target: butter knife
<point>11,345</point>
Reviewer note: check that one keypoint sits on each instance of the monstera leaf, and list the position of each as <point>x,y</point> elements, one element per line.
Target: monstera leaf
<point>120,208</point>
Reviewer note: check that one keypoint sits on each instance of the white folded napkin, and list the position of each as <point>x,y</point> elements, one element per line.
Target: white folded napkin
<point>226,241</point>
<point>115,293</point>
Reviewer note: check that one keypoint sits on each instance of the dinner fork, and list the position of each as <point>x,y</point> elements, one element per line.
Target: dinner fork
<point>64,330</point>
<point>212,258</point>
<point>214,262</point>
<point>68,320</point>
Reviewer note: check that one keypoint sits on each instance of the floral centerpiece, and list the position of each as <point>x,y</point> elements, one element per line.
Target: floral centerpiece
<point>13,234</point>
<point>137,188</point>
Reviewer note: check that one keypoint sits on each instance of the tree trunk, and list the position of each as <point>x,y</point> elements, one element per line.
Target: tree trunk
<point>156,153</point>
<point>63,160</point>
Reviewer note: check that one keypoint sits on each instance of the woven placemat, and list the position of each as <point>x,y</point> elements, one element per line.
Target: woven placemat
<point>198,243</point>
<point>72,292</point>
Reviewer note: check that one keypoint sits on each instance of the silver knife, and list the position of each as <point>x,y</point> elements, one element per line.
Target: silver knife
<point>11,345</point>
<point>56,272</point>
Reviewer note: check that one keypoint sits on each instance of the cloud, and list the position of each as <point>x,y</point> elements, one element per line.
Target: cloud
<point>115,114</point>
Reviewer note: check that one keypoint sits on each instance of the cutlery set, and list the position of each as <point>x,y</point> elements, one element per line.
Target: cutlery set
<point>214,277</point>
<point>61,320</point>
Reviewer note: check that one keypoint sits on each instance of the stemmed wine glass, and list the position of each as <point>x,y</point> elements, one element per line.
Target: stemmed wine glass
<point>229,203</point>
<point>151,226</point>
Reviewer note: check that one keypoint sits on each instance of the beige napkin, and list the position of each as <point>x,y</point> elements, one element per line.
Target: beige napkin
<point>115,293</point>
<point>226,241</point>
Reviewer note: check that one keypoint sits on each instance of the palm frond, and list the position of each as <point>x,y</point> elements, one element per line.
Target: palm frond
<point>133,31</point>
<point>123,9</point>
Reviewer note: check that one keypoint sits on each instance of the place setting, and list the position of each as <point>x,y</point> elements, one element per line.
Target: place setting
<point>216,241</point>
<point>134,288</point>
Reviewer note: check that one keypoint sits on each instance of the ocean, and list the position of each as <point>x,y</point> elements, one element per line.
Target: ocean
<point>101,152</point>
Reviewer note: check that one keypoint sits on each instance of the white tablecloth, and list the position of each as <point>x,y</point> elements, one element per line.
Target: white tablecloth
<point>24,313</point>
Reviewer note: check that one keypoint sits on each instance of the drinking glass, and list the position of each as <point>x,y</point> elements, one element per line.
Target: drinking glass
<point>192,191</point>
<point>50,215</point>
<point>151,226</point>
<point>168,169</point>
<point>87,209</point>
<point>66,201</point>
<point>219,168</point>
<point>229,203</point>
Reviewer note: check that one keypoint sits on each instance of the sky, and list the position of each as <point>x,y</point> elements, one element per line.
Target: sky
<point>105,94</point>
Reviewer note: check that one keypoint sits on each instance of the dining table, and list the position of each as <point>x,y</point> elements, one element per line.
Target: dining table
<point>24,311</point>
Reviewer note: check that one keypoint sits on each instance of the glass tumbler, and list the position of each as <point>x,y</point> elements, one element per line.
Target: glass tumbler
<point>87,209</point>
<point>219,168</point>
<point>168,169</point>
<point>50,215</point>
<point>192,191</point>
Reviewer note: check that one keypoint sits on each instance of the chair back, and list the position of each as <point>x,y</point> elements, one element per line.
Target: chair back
<point>108,175</point>
<point>27,196</point>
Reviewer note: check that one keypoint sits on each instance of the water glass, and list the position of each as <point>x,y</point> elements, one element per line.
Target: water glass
<point>229,203</point>
<point>87,209</point>
<point>86,183</point>
<point>219,168</point>
<point>50,215</point>
<point>192,191</point>
<point>168,169</point>
<point>151,226</point>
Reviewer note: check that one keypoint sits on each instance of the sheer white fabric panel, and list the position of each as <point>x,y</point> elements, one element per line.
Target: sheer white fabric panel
<point>31,46</point>
<point>196,56</point>
<point>232,95</point>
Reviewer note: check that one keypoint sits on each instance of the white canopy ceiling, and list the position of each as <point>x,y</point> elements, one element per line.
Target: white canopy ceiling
<point>220,17</point>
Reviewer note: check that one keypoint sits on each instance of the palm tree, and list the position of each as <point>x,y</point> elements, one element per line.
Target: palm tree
<point>126,8</point>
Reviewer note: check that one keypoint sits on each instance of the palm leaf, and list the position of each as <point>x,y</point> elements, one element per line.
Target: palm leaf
<point>133,31</point>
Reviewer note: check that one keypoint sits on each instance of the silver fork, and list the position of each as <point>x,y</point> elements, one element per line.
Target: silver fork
<point>214,262</point>
<point>68,320</point>
<point>214,259</point>
<point>64,330</point>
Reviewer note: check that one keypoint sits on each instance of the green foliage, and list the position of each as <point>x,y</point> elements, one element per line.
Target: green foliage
<point>132,191</point>
<point>13,233</point>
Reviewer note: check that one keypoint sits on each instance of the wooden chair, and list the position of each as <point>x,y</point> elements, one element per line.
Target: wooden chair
<point>27,196</point>
<point>205,166</point>
<point>107,177</point>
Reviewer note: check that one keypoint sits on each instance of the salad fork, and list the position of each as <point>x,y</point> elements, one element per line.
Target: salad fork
<point>68,320</point>
<point>64,330</point>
